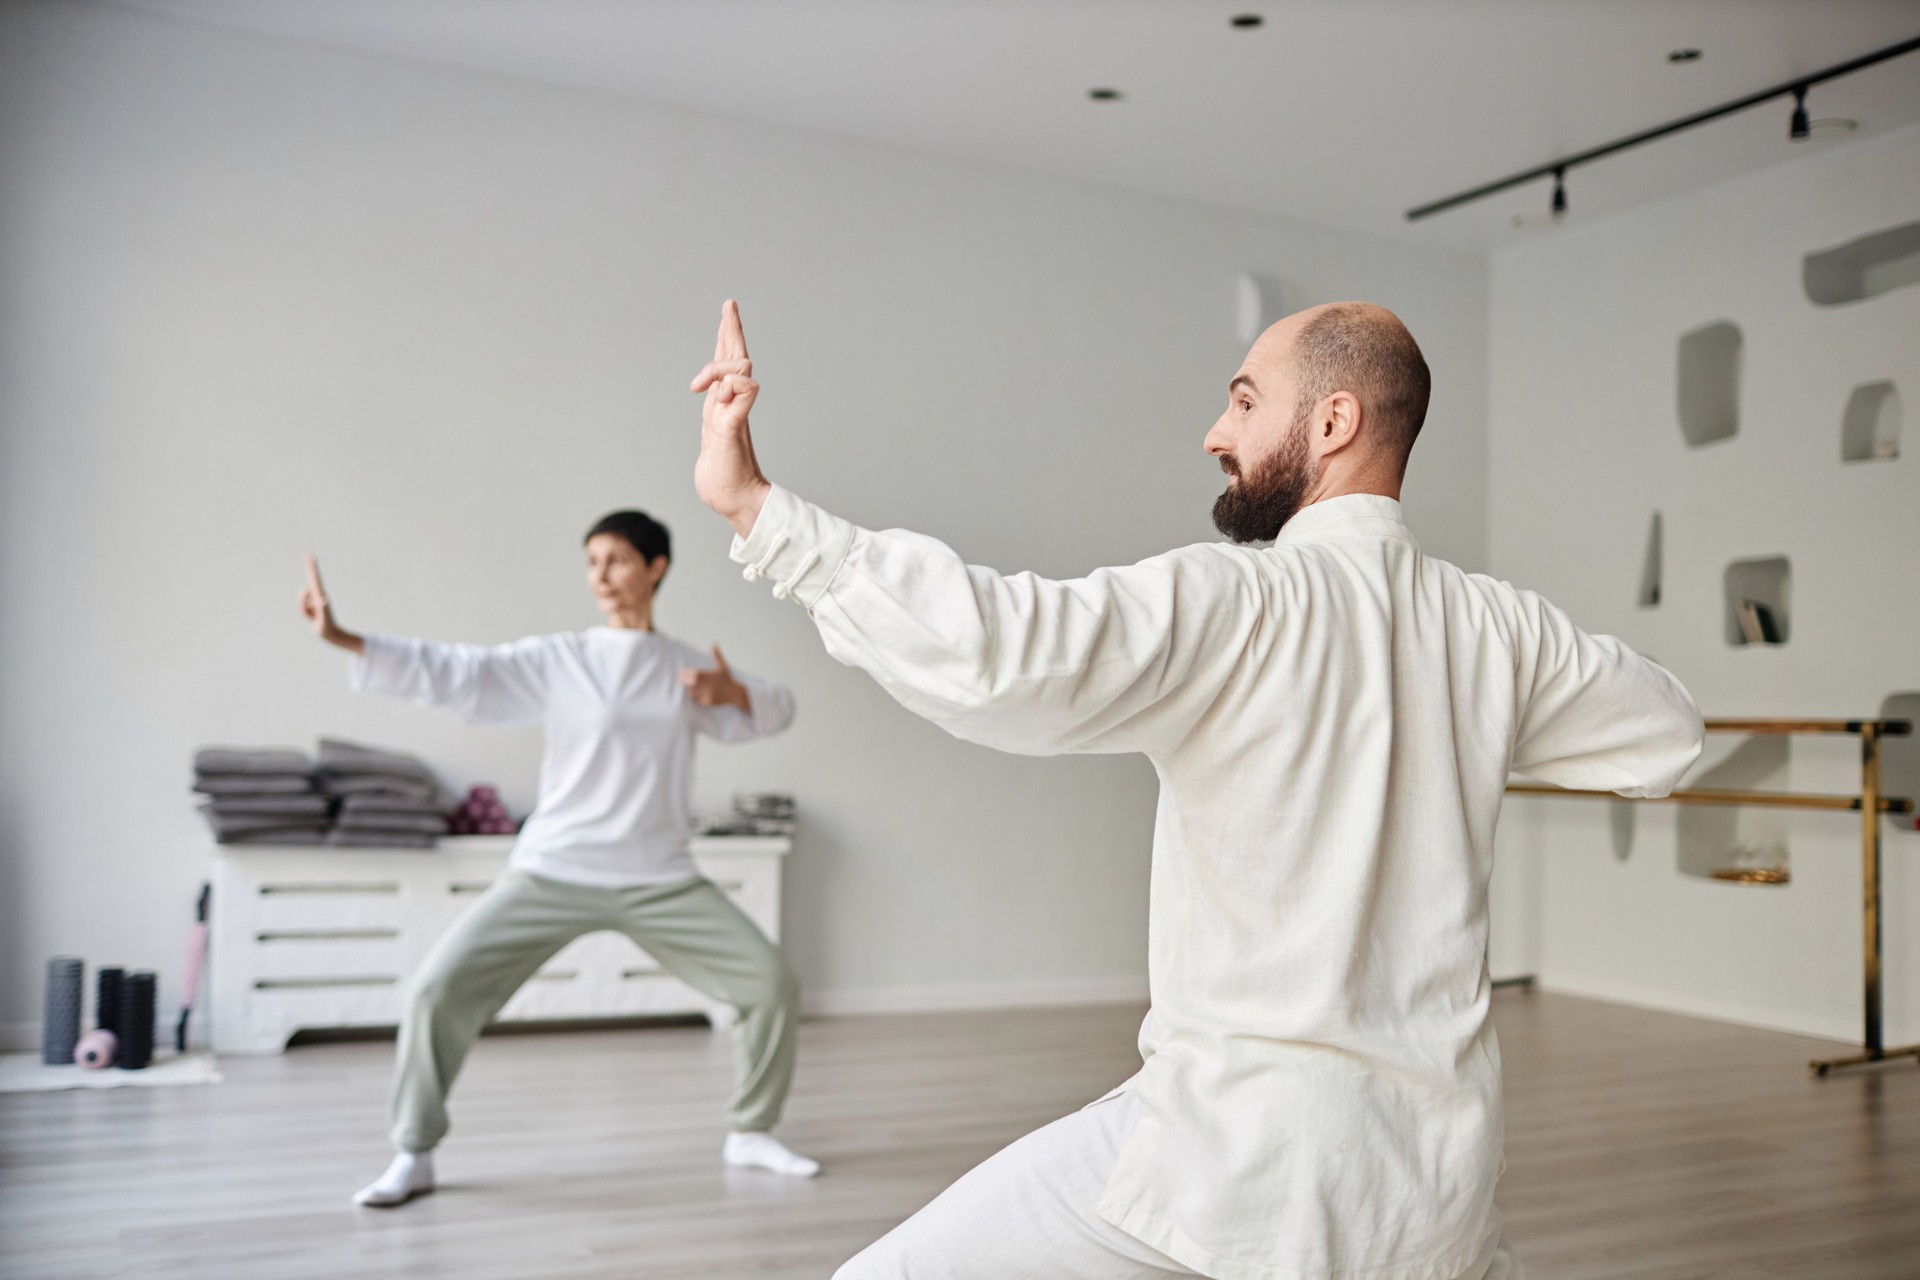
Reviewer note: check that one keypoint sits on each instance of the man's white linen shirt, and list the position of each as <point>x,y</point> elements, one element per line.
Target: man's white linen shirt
<point>615,806</point>
<point>1333,720</point>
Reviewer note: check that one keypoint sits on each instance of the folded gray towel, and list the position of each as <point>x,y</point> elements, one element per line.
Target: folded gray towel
<point>430,823</point>
<point>379,784</point>
<point>251,760</point>
<point>290,806</point>
<point>252,784</point>
<point>387,802</point>
<point>381,839</point>
<point>340,757</point>
<point>300,836</point>
<point>241,824</point>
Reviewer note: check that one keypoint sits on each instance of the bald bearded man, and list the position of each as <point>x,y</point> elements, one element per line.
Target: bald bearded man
<point>1334,719</point>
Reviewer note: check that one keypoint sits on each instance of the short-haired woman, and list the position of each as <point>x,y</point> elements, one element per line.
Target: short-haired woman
<point>606,846</point>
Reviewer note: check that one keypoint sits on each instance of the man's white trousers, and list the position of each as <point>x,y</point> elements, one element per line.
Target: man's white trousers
<point>1027,1213</point>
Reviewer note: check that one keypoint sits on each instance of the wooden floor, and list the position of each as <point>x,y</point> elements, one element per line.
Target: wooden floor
<point>1638,1144</point>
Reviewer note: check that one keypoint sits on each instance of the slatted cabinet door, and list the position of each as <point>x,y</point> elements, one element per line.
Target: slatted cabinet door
<point>321,938</point>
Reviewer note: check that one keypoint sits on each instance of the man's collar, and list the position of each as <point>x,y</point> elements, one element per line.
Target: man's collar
<point>1349,513</point>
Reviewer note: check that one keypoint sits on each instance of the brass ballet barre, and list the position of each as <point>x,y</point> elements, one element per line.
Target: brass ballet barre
<point>1714,795</point>
<point>1869,804</point>
<point>1885,728</point>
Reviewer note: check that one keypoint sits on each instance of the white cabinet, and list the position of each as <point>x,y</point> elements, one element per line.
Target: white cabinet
<point>312,938</point>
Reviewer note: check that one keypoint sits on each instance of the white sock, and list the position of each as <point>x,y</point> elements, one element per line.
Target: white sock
<point>410,1175</point>
<point>764,1151</point>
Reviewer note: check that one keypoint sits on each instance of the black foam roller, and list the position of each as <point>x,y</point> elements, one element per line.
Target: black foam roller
<point>136,1022</point>
<point>109,986</point>
<point>61,1029</point>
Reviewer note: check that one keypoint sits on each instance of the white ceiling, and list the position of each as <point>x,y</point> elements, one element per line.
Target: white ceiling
<point>1345,112</point>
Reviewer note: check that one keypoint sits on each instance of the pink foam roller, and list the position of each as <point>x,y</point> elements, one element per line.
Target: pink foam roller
<point>97,1049</point>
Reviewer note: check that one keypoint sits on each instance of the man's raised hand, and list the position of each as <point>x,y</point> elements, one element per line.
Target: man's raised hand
<point>727,477</point>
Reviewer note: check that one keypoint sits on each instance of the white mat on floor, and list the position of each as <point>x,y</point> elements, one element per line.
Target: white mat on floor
<point>25,1073</point>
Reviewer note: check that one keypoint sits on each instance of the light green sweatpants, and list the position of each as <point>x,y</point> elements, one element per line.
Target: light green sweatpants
<point>690,928</point>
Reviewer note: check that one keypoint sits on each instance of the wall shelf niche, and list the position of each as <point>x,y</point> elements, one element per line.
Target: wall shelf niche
<point>1652,565</point>
<point>1765,585</point>
<point>1709,383</point>
<point>1718,839</point>
<point>1863,268</point>
<point>1870,427</point>
<point>1900,755</point>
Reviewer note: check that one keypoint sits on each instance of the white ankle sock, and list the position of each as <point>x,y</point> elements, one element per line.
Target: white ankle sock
<point>764,1151</point>
<point>410,1175</point>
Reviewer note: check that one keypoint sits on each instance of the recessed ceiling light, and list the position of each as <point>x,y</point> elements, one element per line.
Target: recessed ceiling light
<point>1247,20</point>
<point>1104,95</point>
<point>1684,55</point>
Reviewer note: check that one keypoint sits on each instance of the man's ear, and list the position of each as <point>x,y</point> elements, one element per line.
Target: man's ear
<point>1337,422</point>
<point>657,569</point>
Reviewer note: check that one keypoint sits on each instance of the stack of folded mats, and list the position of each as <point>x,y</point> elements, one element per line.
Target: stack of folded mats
<point>260,795</point>
<point>386,799</point>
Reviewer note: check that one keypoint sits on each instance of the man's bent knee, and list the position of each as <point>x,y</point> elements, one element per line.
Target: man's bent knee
<point>867,1265</point>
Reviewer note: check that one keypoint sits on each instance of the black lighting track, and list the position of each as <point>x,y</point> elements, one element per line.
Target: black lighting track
<point>1796,88</point>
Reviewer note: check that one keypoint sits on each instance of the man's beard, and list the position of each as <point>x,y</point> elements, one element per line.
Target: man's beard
<point>1255,509</point>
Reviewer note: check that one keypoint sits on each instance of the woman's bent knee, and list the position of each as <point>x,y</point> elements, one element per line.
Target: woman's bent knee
<point>776,988</point>
<point>427,994</point>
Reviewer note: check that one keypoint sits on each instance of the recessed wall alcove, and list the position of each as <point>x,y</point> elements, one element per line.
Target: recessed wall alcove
<point>1870,427</point>
<point>1722,838</point>
<point>1767,583</point>
<point>1709,383</point>
<point>1900,756</point>
<point>1620,828</point>
<point>1652,565</point>
<point>1863,268</point>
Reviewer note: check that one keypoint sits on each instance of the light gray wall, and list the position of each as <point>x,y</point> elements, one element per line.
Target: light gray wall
<point>1585,445</point>
<point>259,298</point>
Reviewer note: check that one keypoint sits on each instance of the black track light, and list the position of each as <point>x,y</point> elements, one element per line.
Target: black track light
<point>1556,210</point>
<point>1802,128</point>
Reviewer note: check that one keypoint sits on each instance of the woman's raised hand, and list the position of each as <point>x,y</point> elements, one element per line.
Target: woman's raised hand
<point>318,612</point>
<point>727,477</point>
